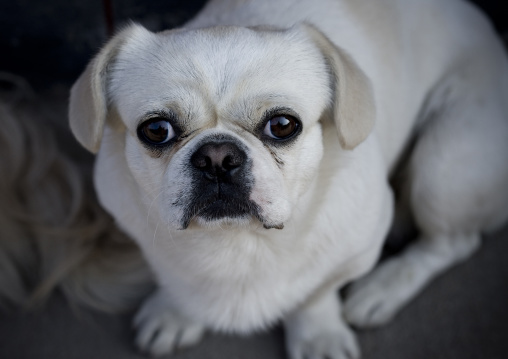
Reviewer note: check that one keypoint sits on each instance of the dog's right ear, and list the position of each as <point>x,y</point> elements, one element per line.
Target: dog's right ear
<point>353,101</point>
<point>88,107</point>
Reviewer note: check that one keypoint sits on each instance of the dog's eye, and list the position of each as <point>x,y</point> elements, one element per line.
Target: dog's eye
<point>156,131</point>
<point>281,127</point>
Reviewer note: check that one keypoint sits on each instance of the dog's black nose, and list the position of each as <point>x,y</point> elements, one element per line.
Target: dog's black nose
<point>218,161</point>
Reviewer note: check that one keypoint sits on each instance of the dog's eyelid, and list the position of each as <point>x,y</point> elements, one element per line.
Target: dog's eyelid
<point>279,110</point>
<point>170,116</point>
<point>164,114</point>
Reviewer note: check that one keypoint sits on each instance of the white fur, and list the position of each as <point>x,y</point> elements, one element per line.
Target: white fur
<point>429,68</point>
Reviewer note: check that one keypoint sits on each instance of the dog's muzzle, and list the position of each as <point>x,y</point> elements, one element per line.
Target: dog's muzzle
<point>222,181</point>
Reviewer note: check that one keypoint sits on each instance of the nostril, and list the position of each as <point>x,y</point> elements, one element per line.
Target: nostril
<point>208,163</point>
<point>199,162</point>
<point>231,162</point>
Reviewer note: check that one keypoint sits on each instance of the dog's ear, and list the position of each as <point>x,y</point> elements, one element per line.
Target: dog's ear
<point>353,98</point>
<point>88,106</point>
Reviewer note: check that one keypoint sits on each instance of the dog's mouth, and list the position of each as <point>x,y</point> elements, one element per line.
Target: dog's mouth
<point>220,209</point>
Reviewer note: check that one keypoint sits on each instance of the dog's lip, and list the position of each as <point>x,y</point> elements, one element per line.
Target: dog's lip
<point>205,208</point>
<point>224,205</point>
<point>273,225</point>
<point>249,208</point>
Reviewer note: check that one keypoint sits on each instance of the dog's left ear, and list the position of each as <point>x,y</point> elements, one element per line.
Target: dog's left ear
<point>353,98</point>
<point>88,106</point>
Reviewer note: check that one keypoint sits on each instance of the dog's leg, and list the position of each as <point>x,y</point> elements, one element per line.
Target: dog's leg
<point>375,299</point>
<point>161,330</point>
<point>458,177</point>
<point>316,330</point>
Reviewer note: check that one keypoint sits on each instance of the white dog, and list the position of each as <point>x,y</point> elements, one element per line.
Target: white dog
<point>217,151</point>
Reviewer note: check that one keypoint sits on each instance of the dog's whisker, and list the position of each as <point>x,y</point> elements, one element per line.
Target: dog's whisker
<point>154,236</point>
<point>170,232</point>
<point>150,206</point>
<point>150,192</point>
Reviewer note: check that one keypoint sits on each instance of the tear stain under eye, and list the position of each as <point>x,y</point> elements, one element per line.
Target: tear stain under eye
<point>279,162</point>
<point>157,152</point>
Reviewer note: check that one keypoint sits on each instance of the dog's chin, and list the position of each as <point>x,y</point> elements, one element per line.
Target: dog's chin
<point>245,221</point>
<point>228,215</point>
<point>224,223</point>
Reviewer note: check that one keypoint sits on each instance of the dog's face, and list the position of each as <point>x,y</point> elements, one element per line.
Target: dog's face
<point>218,126</point>
<point>225,133</point>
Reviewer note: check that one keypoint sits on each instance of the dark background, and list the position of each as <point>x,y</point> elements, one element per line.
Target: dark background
<point>52,40</point>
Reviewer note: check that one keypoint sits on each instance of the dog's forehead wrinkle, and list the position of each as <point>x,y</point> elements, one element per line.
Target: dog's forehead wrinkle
<point>212,49</point>
<point>225,54</point>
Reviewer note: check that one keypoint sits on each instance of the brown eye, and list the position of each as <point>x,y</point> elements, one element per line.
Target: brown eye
<point>156,131</point>
<point>281,127</point>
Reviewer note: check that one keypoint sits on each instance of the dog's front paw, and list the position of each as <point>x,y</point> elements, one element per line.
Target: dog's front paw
<point>316,331</point>
<point>375,299</point>
<point>160,330</point>
<point>336,342</point>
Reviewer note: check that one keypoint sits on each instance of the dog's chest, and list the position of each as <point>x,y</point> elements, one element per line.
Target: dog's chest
<point>239,280</point>
<point>243,281</point>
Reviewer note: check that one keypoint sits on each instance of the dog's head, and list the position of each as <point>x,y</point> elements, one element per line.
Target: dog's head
<point>221,125</point>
